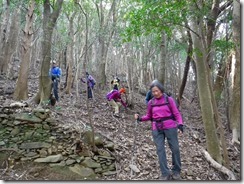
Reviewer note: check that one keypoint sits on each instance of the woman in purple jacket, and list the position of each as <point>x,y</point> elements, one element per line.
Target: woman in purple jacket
<point>166,123</point>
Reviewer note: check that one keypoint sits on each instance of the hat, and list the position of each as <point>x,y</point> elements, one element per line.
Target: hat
<point>53,62</point>
<point>158,84</point>
<point>122,90</point>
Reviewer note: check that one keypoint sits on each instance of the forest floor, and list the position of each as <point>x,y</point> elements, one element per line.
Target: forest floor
<point>122,132</point>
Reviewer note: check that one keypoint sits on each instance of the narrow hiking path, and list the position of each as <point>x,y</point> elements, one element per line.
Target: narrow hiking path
<point>121,131</point>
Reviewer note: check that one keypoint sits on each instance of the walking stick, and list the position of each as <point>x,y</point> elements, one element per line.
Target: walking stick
<point>132,165</point>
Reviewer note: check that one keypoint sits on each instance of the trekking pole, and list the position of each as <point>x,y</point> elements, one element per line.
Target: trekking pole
<point>132,165</point>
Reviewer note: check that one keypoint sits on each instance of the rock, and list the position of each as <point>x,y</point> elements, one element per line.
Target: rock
<point>98,141</point>
<point>82,171</point>
<point>4,122</point>
<point>88,138</point>
<point>15,131</point>
<point>28,135</point>
<point>88,162</point>
<point>4,116</point>
<point>70,161</point>
<point>103,153</point>
<point>98,170</point>
<point>30,154</point>
<point>110,146</point>
<point>52,158</point>
<point>105,157</point>
<point>38,125</point>
<point>109,173</point>
<point>2,143</point>
<point>16,122</point>
<point>46,127</point>
<point>41,110</point>
<point>61,164</point>
<point>28,117</point>
<point>34,145</point>
<point>134,168</point>
<point>51,121</point>
<point>43,153</point>
<point>42,116</point>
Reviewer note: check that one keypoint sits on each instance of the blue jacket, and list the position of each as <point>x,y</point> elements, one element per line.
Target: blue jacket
<point>55,72</point>
<point>149,96</point>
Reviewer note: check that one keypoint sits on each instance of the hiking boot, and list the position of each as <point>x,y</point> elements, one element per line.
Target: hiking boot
<point>164,177</point>
<point>116,115</point>
<point>176,176</point>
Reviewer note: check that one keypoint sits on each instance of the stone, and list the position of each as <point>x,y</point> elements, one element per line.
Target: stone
<point>30,154</point>
<point>105,157</point>
<point>51,121</point>
<point>98,170</point>
<point>70,162</point>
<point>103,153</point>
<point>38,125</point>
<point>110,146</point>
<point>2,143</point>
<point>109,173</point>
<point>28,135</point>
<point>42,116</point>
<point>88,162</point>
<point>46,127</point>
<point>98,141</point>
<point>4,122</point>
<point>43,153</point>
<point>34,145</point>
<point>4,116</point>
<point>52,158</point>
<point>61,164</point>
<point>28,117</point>
<point>83,171</point>
<point>16,122</point>
<point>15,131</point>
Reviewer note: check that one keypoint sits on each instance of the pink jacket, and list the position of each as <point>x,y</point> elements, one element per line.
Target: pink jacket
<point>116,96</point>
<point>158,112</point>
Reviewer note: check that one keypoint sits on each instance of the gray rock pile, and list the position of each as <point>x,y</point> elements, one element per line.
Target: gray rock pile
<point>38,137</point>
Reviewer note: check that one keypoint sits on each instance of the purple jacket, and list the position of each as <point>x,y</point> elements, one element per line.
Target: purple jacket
<point>158,112</point>
<point>117,98</point>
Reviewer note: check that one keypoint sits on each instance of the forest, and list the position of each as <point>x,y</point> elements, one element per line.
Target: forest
<point>58,125</point>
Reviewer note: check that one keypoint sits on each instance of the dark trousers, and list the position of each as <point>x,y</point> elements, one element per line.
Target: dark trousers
<point>55,89</point>
<point>172,138</point>
<point>89,92</point>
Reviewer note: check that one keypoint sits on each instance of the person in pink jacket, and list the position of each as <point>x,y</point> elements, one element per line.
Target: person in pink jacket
<point>166,121</point>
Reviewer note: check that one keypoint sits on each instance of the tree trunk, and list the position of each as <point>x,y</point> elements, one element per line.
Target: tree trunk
<point>186,69</point>
<point>236,96</point>
<point>21,89</point>
<point>162,65</point>
<point>207,108</point>
<point>3,35</point>
<point>49,22</point>
<point>70,56</point>
<point>11,42</point>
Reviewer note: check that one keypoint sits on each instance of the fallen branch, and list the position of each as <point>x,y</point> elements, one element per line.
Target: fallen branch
<point>218,166</point>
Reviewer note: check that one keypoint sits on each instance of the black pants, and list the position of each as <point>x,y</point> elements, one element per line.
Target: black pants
<point>55,89</point>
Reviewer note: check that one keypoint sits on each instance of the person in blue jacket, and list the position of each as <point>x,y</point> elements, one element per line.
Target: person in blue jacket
<point>55,73</point>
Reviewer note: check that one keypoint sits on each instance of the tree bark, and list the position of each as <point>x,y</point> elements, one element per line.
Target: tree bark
<point>236,96</point>
<point>70,55</point>
<point>3,35</point>
<point>21,89</point>
<point>203,84</point>
<point>11,43</point>
<point>186,69</point>
<point>49,22</point>
<point>162,65</point>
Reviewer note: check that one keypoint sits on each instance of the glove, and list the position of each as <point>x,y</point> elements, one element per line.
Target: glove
<point>180,127</point>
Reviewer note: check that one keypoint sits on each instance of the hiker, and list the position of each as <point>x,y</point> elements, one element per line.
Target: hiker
<point>90,84</point>
<point>149,94</point>
<point>115,100</point>
<point>115,83</point>
<point>55,73</point>
<point>167,123</point>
